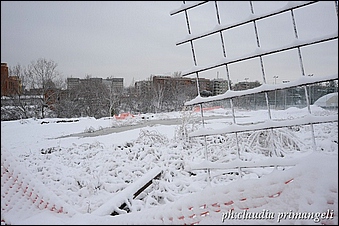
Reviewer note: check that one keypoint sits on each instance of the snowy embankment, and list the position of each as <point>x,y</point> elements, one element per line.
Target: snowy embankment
<point>82,174</point>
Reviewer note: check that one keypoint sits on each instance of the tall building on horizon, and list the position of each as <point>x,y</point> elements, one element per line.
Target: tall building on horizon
<point>117,84</point>
<point>10,85</point>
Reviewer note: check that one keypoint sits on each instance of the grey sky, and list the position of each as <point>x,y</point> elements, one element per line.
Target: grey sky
<point>136,39</point>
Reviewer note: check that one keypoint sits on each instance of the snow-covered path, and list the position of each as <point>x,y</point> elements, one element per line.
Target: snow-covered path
<point>140,124</point>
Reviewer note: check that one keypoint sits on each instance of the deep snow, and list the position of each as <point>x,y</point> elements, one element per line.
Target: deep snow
<point>86,175</point>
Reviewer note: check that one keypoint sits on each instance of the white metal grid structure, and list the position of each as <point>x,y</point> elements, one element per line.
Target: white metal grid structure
<point>297,45</point>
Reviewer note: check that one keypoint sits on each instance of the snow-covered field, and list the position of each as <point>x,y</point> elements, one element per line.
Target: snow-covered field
<point>78,171</point>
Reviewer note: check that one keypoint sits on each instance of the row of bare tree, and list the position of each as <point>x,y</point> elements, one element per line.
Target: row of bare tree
<point>44,93</point>
<point>36,79</point>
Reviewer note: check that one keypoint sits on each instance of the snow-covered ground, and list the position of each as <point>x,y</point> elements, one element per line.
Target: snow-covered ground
<point>78,171</point>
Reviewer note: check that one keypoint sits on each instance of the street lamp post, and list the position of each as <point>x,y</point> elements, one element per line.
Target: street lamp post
<point>309,90</point>
<point>285,96</point>
<point>275,92</point>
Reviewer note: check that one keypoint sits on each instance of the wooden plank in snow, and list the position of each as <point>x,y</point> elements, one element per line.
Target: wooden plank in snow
<point>118,201</point>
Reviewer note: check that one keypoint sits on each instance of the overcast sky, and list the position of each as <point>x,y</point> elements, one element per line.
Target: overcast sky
<point>134,40</point>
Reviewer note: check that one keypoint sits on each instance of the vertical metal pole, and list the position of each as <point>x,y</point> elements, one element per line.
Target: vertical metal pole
<point>229,85</point>
<point>303,74</point>
<point>198,90</point>
<point>264,81</point>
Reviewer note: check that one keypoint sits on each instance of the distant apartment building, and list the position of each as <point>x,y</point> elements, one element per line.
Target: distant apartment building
<point>10,85</point>
<point>219,86</point>
<point>117,84</point>
<point>169,82</point>
<point>73,83</point>
<point>143,87</point>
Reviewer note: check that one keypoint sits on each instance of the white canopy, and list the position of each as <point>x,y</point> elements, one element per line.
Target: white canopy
<point>328,100</point>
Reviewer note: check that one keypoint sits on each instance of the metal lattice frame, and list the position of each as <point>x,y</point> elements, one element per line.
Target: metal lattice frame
<point>304,81</point>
